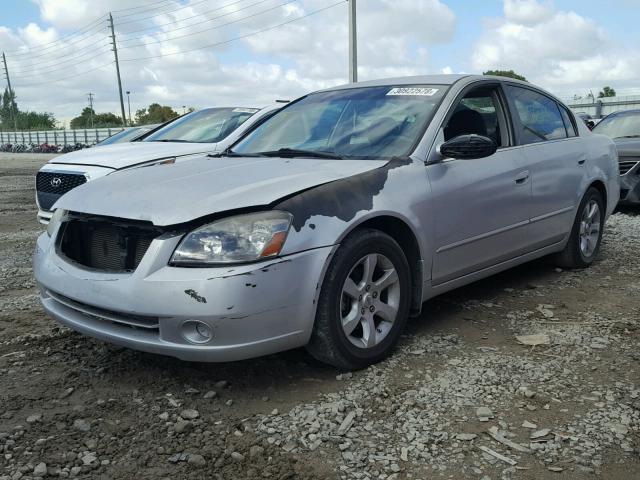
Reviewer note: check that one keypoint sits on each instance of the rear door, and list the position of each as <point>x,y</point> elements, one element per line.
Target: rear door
<point>555,158</point>
<point>480,206</point>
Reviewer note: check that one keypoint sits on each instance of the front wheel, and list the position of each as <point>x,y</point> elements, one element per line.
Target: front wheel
<point>364,302</point>
<point>586,235</point>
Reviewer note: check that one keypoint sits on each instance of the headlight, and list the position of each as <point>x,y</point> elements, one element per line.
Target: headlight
<point>243,238</point>
<point>56,218</point>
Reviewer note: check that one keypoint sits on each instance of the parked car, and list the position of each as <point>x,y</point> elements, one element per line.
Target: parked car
<point>624,128</point>
<point>587,119</point>
<point>197,132</point>
<point>331,222</point>
<point>127,135</point>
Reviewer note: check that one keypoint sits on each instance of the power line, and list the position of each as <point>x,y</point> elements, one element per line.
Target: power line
<point>44,45</point>
<point>56,60</point>
<point>210,28</point>
<point>143,6</point>
<point>194,16</point>
<point>50,81</point>
<point>157,14</point>
<point>36,72</point>
<point>55,50</point>
<point>239,37</point>
<point>89,26</point>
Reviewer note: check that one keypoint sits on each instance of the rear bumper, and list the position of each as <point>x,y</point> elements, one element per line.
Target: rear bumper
<point>251,310</point>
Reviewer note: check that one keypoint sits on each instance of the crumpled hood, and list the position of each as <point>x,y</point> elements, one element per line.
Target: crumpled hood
<point>122,155</point>
<point>628,147</point>
<point>181,192</point>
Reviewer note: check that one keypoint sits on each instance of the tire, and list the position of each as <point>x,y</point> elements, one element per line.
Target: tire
<point>574,254</point>
<point>360,307</point>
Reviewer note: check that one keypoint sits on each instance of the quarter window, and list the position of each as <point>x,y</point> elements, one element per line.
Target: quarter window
<point>540,118</point>
<point>569,125</point>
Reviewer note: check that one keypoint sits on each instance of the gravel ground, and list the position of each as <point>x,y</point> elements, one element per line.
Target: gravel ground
<point>462,398</point>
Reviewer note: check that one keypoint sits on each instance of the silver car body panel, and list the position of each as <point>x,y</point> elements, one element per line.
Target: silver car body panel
<point>468,218</point>
<point>248,182</point>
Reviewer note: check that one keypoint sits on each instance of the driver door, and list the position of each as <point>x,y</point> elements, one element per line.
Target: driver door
<point>480,206</point>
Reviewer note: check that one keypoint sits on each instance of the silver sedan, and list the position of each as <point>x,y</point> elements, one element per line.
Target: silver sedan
<point>331,223</point>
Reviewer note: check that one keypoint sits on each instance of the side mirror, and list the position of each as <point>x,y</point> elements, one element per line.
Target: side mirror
<point>468,147</point>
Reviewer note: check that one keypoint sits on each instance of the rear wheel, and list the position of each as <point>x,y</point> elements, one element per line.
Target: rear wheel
<point>586,235</point>
<point>364,302</point>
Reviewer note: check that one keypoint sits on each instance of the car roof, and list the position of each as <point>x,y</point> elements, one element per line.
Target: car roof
<point>443,79</point>
<point>633,111</point>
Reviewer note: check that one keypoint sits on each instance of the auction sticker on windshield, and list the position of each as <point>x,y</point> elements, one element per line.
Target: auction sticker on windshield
<point>420,91</point>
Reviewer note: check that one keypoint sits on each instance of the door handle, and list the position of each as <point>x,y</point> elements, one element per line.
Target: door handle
<point>581,161</point>
<point>523,177</point>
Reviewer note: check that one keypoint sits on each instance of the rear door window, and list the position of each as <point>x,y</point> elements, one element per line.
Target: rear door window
<point>539,115</point>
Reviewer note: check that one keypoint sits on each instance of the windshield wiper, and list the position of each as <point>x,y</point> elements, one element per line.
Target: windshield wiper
<point>629,136</point>
<point>230,153</point>
<point>170,140</point>
<point>294,152</point>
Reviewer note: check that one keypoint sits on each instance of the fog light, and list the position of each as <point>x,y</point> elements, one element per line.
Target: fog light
<point>195,331</point>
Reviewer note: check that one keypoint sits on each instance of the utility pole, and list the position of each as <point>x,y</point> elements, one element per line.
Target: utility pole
<point>353,43</point>
<point>115,52</point>
<point>129,107</point>
<point>11,93</point>
<point>91,107</point>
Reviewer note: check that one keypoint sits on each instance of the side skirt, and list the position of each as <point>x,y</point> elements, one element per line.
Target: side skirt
<point>436,290</point>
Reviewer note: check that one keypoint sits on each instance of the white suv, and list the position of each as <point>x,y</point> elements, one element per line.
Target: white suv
<point>202,131</point>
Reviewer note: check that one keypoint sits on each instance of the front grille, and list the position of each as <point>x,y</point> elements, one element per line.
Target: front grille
<point>50,186</point>
<point>104,244</point>
<point>627,165</point>
<point>127,319</point>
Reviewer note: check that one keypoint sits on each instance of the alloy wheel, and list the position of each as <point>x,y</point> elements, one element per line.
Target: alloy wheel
<point>590,228</point>
<point>370,300</point>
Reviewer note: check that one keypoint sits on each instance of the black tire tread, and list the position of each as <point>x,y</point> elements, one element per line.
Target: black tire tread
<point>570,257</point>
<point>321,345</point>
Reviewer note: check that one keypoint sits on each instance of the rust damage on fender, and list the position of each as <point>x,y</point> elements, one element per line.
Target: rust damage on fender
<point>193,294</point>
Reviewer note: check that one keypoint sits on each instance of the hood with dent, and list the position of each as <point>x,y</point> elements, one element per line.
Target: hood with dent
<point>628,147</point>
<point>123,155</point>
<point>181,192</point>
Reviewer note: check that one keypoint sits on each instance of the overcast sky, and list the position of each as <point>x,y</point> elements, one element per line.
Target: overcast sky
<point>261,50</point>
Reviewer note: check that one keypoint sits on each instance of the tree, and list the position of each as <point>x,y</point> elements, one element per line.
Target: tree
<point>8,109</point>
<point>505,73</point>
<point>35,121</point>
<point>84,120</point>
<point>155,113</point>
<point>607,92</point>
<point>11,117</point>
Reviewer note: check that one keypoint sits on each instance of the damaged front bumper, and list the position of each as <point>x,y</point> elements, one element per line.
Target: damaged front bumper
<point>197,314</point>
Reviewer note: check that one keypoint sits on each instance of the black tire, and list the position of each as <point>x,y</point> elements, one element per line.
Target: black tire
<point>329,343</point>
<point>572,256</point>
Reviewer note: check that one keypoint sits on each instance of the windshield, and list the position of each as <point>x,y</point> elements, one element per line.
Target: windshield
<point>210,125</point>
<point>620,125</point>
<point>123,136</point>
<point>367,122</point>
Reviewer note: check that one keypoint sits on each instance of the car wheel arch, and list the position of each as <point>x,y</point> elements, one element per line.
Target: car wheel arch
<point>401,231</point>
<point>601,187</point>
